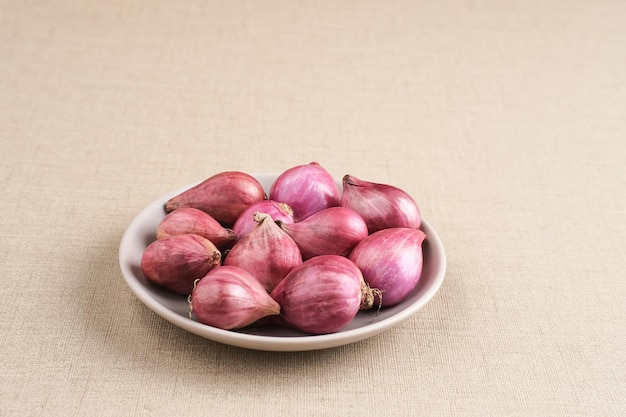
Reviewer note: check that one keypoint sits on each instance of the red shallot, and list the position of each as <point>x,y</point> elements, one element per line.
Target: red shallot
<point>306,189</point>
<point>175,262</point>
<point>267,252</point>
<point>322,295</point>
<point>391,261</point>
<point>382,206</point>
<point>331,231</point>
<point>186,220</point>
<point>277,211</point>
<point>224,196</point>
<point>229,297</point>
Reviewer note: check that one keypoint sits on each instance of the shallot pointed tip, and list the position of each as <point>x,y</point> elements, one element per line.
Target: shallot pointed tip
<point>260,217</point>
<point>232,236</point>
<point>352,181</point>
<point>170,206</point>
<point>215,258</point>
<point>286,207</point>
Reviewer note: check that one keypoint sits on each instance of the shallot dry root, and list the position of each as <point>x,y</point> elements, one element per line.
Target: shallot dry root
<point>308,255</point>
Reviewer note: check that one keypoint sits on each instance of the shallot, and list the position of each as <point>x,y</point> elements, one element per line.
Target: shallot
<point>267,252</point>
<point>331,231</point>
<point>391,261</point>
<point>186,220</point>
<point>229,297</point>
<point>306,189</point>
<point>224,196</point>
<point>322,295</point>
<point>277,211</point>
<point>382,206</point>
<point>175,262</point>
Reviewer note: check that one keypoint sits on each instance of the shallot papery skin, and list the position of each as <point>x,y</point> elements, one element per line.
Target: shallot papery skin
<point>391,261</point>
<point>224,196</point>
<point>267,252</point>
<point>322,295</point>
<point>331,231</point>
<point>382,206</point>
<point>277,211</point>
<point>306,189</point>
<point>175,262</point>
<point>229,297</point>
<point>188,220</point>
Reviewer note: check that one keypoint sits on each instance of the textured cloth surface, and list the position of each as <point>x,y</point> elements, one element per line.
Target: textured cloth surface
<point>505,121</point>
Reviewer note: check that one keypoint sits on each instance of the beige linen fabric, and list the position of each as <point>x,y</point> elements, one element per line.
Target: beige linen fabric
<point>505,120</point>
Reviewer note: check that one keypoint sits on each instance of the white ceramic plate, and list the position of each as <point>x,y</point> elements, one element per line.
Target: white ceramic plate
<point>174,308</point>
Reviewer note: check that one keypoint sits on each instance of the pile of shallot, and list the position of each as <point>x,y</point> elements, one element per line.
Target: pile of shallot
<point>308,256</point>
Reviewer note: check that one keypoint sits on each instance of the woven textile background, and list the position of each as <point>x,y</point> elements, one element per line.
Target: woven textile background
<point>506,121</point>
